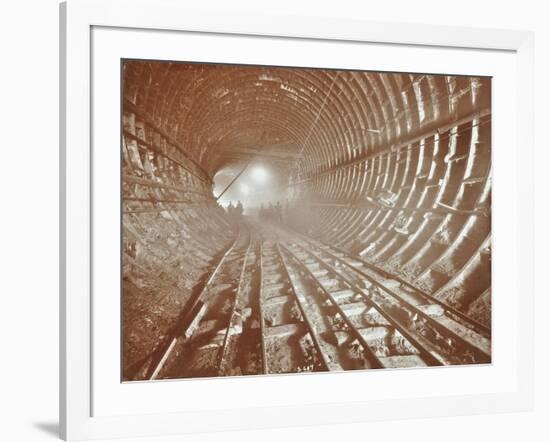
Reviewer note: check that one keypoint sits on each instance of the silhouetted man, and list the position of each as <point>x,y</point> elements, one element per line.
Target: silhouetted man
<point>279,212</point>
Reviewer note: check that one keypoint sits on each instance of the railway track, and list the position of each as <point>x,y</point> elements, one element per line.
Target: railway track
<point>407,287</point>
<point>240,353</point>
<point>294,281</point>
<point>201,346</point>
<point>400,284</point>
<point>278,302</point>
<point>360,327</point>
<point>438,335</point>
<point>290,336</point>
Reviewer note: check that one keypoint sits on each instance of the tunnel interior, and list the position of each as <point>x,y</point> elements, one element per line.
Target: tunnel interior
<point>393,169</point>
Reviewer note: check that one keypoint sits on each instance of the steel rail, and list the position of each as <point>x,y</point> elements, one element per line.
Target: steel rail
<point>458,315</point>
<point>373,359</point>
<point>463,318</point>
<point>430,356</point>
<point>311,328</point>
<point>192,313</point>
<point>221,358</point>
<point>261,310</point>
<point>482,355</point>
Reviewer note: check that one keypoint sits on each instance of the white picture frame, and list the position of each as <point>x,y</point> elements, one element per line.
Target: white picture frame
<point>77,417</point>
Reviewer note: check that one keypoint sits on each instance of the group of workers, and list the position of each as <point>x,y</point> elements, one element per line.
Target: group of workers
<point>274,212</point>
<point>236,209</point>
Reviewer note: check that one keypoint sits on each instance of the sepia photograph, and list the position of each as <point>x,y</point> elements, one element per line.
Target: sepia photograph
<point>289,220</point>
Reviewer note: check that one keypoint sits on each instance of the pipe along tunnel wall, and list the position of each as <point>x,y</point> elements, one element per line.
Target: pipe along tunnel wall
<point>393,169</point>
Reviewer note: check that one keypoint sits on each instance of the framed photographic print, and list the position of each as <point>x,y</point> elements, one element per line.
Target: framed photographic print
<point>325,221</point>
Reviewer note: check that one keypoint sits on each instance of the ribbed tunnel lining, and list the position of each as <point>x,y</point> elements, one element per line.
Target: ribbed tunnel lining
<point>392,167</point>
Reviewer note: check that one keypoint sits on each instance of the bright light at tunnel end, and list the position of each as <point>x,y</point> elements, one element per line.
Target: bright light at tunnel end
<point>259,174</point>
<point>244,189</point>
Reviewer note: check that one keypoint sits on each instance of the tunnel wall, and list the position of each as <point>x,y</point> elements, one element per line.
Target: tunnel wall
<point>417,201</point>
<point>393,167</point>
<point>172,231</point>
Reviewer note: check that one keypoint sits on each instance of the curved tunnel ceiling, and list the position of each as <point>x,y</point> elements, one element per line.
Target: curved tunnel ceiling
<point>392,167</point>
<point>223,114</point>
